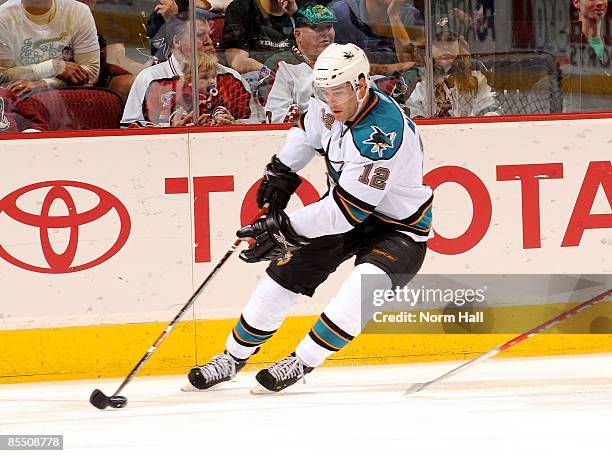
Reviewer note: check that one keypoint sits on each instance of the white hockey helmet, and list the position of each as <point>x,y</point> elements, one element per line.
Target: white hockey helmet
<point>340,63</point>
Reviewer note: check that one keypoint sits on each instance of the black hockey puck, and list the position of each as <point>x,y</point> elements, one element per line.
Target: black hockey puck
<point>117,401</point>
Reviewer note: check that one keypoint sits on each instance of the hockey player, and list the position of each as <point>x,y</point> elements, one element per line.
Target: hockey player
<point>377,209</point>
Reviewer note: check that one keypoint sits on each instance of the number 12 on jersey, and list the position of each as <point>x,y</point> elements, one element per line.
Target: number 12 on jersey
<point>378,180</point>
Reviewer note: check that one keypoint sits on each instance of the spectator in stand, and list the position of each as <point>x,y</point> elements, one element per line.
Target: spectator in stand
<point>111,76</point>
<point>255,30</point>
<point>222,97</point>
<point>178,33</point>
<point>591,15</point>
<point>47,43</point>
<point>461,87</point>
<point>285,81</point>
<point>167,9</point>
<point>163,12</point>
<point>591,54</point>
<point>384,29</point>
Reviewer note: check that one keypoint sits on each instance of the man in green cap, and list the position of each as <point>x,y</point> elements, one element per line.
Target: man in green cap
<point>284,85</point>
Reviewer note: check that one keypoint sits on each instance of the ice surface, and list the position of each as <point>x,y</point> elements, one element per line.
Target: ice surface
<point>529,406</point>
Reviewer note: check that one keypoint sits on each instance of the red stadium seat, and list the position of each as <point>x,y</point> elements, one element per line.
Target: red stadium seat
<point>76,108</point>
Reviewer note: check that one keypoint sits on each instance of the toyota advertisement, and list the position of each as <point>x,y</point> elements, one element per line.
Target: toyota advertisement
<point>122,229</point>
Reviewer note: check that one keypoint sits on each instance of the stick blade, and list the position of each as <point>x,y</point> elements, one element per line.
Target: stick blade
<point>99,400</point>
<point>416,387</point>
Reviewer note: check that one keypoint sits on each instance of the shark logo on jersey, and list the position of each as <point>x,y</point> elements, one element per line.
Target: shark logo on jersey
<point>380,140</point>
<point>167,97</point>
<point>4,122</point>
<point>348,55</point>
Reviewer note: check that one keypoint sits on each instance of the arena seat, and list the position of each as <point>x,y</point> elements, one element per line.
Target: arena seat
<point>76,108</point>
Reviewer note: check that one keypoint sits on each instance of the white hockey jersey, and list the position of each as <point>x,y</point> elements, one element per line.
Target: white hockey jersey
<point>292,85</point>
<point>133,114</point>
<point>375,168</point>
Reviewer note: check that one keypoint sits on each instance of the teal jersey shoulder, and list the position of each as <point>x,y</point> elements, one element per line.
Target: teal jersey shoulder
<point>378,132</point>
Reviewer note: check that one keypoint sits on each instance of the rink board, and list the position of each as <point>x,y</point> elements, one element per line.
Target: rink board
<point>111,351</point>
<point>102,237</point>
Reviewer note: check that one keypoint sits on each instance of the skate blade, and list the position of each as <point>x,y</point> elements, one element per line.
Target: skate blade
<point>260,390</point>
<point>189,388</point>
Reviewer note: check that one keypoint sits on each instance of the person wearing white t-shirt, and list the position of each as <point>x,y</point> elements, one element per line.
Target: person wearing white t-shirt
<point>47,43</point>
<point>285,80</point>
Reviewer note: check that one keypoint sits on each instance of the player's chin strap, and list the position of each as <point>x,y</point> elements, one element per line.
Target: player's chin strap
<point>361,101</point>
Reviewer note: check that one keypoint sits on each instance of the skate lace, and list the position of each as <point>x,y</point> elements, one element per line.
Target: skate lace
<point>219,367</point>
<point>286,368</point>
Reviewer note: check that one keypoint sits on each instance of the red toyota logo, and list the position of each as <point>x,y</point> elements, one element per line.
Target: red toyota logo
<point>60,263</point>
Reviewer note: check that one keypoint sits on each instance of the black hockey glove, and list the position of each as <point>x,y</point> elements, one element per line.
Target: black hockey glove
<point>274,238</point>
<point>278,184</point>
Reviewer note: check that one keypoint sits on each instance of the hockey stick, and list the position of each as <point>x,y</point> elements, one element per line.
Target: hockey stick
<point>416,387</point>
<point>100,400</point>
